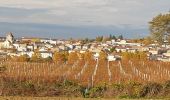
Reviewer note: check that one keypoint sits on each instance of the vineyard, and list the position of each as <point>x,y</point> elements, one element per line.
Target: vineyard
<point>88,73</point>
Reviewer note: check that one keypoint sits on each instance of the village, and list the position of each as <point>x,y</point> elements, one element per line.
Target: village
<point>9,46</point>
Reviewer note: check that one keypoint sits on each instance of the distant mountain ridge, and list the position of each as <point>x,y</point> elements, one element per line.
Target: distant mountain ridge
<point>65,32</point>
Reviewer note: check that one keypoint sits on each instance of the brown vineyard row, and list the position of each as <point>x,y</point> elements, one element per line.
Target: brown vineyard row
<point>89,73</point>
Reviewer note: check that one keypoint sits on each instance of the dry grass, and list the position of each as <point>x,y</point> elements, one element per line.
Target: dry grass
<point>139,71</point>
<point>50,98</point>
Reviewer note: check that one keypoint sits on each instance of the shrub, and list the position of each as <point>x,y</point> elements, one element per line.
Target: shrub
<point>131,90</point>
<point>2,68</point>
<point>166,89</point>
<point>97,91</point>
<point>150,90</point>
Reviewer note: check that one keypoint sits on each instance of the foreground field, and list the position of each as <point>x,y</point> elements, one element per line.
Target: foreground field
<point>92,79</point>
<point>67,98</point>
<point>59,98</point>
<point>89,73</point>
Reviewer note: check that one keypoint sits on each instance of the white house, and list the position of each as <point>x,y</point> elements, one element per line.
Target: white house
<point>43,49</point>
<point>13,54</point>
<point>48,41</point>
<point>121,49</point>
<point>82,51</point>
<point>70,46</point>
<point>60,42</point>
<point>167,53</point>
<point>153,52</point>
<point>30,47</point>
<point>29,53</point>
<point>142,48</point>
<point>131,50</point>
<point>63,47</point>
<point>85,47</point>
<point>96,56</point>
<point>78,47</point>
<point>48,45</point>
<point>113,41</point>
<point>46,54</point>
<point>111,58</point>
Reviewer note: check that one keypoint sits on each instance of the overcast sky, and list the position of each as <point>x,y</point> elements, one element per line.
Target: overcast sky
<point>78,18</point>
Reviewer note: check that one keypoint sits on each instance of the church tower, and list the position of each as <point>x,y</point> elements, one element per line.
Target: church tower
<point>8,43</point>
<point>10,37</point>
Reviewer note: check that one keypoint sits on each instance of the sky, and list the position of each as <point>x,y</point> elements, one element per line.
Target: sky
<point>79,18</point>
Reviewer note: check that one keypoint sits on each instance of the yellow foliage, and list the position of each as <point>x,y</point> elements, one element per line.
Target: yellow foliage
<point>134,56</point>
<point>22,58</point>
<point>103,55</point>
<point>59,57</point>
<point>36,56</point>
<point>35,40</point>
<point>72,57</point>
<point>88,56</point>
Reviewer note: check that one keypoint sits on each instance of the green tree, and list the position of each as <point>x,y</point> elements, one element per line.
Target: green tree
<point>99,38</point>
<point>160,27</point>
<point>112,37</point>
<point>112,49</point>
<point>120,37</point>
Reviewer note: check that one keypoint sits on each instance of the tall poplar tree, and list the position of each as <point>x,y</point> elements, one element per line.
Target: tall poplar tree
<point>160,28</point>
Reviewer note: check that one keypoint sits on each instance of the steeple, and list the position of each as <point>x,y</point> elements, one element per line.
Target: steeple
<point>10,37</point>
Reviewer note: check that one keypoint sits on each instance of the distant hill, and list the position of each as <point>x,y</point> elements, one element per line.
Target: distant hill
<point>61,31</point>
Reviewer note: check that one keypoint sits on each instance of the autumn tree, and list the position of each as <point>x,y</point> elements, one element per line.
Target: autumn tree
<point>88,56</point>
<point>48,59</point>
<point>142,55</point>
<point>36,57</point>
<point>112,49</point>
<point>160,27</point>
<point>148,40</point>
<point>103,55</point>
<point>126,55</point>
<point>59,57</point>
<point>72,57</point>
<point>80,55</point>
<point>99,38</point>
<point>23,58</point>
<point>134,56</point>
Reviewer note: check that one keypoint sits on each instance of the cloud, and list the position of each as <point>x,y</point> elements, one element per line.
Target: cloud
<point>18,12</point>
<point>106,13</point>
<point>84,12</point>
